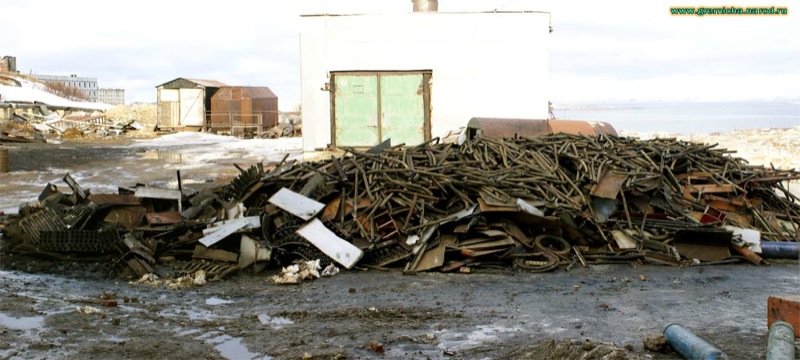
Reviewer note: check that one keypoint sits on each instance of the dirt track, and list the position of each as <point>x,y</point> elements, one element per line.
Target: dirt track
<point>483,315</point>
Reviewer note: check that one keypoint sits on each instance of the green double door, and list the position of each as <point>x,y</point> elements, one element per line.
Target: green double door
<point>370,107</point>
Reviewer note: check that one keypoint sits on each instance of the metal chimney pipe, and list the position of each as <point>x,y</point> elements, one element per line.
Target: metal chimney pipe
<point>426,5</point>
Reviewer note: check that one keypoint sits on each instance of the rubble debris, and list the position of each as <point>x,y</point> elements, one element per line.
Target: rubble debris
<point>537,204</point>
<point>656,343</point>
<point>691,346</point>
<point>295,274</point>
<point>88,310</point>
<point>570,349</point>
<point>330,270</point>
<point>376,346</point>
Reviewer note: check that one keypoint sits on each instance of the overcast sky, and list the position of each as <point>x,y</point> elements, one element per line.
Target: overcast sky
<point>601,51</point>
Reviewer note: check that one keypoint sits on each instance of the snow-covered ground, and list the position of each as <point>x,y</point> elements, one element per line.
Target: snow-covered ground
<point>32,92</point>
<point>195,149</point>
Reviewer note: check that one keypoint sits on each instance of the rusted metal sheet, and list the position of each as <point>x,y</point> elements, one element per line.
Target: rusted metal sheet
<point>245,106</point>
<point>498,128</point>
<point>127,216</point>
<point>704,244</point>
<point>164,218</point>
<point>577,127</point>
<point>609,185</point>
<point>114,199</point>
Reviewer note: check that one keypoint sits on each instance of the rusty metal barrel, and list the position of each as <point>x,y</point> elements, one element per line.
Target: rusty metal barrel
<point>3,160</point>
<point>691,346</point>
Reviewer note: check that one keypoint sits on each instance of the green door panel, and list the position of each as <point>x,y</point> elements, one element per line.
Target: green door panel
<point>402,108</point>
<point>356,110</point>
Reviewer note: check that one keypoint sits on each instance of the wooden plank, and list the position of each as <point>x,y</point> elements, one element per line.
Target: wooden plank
<point>202,252</point>
<point>332,209</point>
<point>623,240</point>
<point>296,204</point>
<point>326,241</point>
<point>609,185</point>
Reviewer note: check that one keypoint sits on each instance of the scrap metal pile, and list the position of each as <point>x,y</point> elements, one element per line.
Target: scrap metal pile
<point>533,203</point>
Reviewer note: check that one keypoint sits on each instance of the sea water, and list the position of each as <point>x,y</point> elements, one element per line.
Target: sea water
<point>687,117</point>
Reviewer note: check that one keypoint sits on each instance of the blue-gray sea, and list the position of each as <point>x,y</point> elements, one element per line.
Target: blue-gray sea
<point>687,117</point>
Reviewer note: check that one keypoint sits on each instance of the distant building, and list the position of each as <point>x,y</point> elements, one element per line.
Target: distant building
<point>111,96</point>
<point>8,63</point>
<point>86,84</point>
<point>183,103</point>
<point>243,108</point>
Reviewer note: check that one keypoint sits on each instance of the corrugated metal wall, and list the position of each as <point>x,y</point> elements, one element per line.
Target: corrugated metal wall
<point>239,104</point>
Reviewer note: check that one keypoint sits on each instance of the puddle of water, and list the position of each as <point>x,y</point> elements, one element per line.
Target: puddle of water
<point>217,301</point>
<point>232,348</point>
<point>481,334</point>
<point>21,323</point>
<point>186,332</point>
<point>276,322</point>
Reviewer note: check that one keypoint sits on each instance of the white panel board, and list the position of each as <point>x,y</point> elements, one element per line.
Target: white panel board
<point>296,204</point>
<point>229,228</point>
<point>326,241</point>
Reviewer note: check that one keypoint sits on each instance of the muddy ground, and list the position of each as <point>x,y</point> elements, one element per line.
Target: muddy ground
<point>496,315</point>
<point>356,314</point>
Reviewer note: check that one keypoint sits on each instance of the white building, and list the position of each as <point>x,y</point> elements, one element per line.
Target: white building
<point>111,96</point>
<point>414,76</point>
<point>87,85</point>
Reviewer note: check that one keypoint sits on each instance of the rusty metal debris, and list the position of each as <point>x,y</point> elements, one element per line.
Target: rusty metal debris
<point>533,203</point>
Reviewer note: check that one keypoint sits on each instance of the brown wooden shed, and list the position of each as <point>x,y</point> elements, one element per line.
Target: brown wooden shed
<point>243,108</point>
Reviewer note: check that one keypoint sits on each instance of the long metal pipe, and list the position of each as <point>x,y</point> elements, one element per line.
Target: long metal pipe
<point>691,346</point>
<point>780,249</point>
<point>780,345</point>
